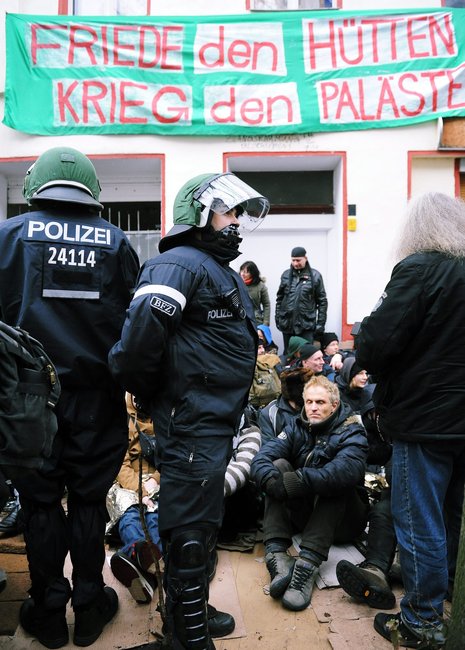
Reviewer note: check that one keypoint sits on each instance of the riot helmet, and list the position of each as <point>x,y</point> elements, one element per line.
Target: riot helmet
<point>203,195</point>
<point>62,175</point>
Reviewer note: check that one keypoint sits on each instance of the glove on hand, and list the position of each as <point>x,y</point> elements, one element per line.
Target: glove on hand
<point>274,487</point>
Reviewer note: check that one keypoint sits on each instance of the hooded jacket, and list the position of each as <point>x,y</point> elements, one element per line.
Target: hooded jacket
<point>360,400</point>
<point>407,343</point>
<point>189,343</point>
<point>329,457</point>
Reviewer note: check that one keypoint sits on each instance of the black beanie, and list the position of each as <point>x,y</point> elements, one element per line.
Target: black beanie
<point>356,368</point>
<point>298,251</point>
<point>308,350</point>
<point>327,338</point>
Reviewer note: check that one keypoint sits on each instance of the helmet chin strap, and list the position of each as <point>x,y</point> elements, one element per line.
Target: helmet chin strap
<point>228,237</point>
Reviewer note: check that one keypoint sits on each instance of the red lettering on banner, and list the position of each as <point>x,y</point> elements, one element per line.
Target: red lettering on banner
<point>446,37</point>
<point>125,103</point>
<point>179,113</point>
<point>122,46</point>
<point>454,86</point>
<point>432,75</point>
<point>64,103</point>
<point>386,98</point>
<point>370,40</point>
<point>35,45</point>
<point>159,47</point>
<point>412,37</point>
<point>410,76</point>
<point>86,45</point>
<point>253,110</point>
<point>88,98</point>
<point>233,54</point>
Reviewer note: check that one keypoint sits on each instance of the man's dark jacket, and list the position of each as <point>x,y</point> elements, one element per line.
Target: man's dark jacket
<point>329,457</point>
<point>184,348</point>
<point>411,343</point>
<point>301,302</point>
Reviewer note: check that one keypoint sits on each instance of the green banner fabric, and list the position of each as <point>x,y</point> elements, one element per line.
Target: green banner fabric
<point>256,74</point>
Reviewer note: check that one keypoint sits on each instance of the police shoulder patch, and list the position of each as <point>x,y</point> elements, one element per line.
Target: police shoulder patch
<point>165,307</point>
<point>282,435</point>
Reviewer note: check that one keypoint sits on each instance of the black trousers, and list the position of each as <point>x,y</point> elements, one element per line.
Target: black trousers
<point>87,455</point>
<point>321,520</point>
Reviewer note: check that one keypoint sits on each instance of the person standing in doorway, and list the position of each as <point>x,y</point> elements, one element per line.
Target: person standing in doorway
<point>67,278</point>
<point>301,302</point>
<point>420,403</point>
<point>187,351</point>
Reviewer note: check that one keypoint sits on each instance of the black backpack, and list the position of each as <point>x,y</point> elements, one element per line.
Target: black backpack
<point>29,392</point>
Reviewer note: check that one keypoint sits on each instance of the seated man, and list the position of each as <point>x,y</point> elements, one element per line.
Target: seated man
<point>312,475</point>
<point>133,564</point>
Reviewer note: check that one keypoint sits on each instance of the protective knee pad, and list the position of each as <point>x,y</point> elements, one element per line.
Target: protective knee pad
<point>188,554</point>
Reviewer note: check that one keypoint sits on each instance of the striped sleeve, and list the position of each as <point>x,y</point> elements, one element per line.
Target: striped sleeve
<point>238,470</point>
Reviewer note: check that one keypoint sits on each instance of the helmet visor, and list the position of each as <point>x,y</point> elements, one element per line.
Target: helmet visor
<point>225,192</point>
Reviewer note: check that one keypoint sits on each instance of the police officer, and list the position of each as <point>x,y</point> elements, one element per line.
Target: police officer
<point>67,278</point>
<point>188,348</point>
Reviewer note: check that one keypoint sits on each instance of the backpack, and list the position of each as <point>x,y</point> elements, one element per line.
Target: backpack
<point>266,385</point>
<point>29,392</point>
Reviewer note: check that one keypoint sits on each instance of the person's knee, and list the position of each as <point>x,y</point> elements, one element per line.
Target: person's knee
<point>188,553</point>
<point>283,465</point>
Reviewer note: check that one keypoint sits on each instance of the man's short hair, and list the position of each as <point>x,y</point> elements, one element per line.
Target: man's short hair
<point>320,381</point>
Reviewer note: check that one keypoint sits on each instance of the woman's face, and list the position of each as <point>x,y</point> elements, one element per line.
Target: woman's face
<point>245,275</point>
<point>359,380</point>
<point>332,348</point>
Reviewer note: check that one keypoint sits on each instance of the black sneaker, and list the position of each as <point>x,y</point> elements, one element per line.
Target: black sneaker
<point>392,628</point>
<point>143,555</point>
<point>129,574</point>
<point>48,626</point>
<point>366,583</point>
<point>89,621</point>
<point>219,623</point>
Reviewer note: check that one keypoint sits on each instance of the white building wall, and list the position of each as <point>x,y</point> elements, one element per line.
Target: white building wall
<point>376,171</point>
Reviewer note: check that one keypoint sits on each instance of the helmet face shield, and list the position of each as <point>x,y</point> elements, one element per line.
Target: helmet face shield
<point>224,192</point>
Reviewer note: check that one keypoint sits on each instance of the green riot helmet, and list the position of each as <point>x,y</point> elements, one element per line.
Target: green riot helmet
<point>62,175</point>
<point>202,195</point>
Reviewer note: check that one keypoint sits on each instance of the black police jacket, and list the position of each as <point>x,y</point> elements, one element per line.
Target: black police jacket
<point>67,278</point>
<point>189,343</point>
<point>411,343</point>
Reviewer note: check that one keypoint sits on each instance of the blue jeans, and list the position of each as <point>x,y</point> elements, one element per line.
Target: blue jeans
<point>131,531</point>
<point>427,497</point>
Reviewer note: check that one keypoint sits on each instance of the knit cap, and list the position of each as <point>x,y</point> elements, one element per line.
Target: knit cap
<point>327,338</point>
<point>298,251</point>
<point>295,344</point>
<point>308,350</point>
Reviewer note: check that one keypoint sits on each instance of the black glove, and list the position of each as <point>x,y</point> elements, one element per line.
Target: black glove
<point>274,487</point>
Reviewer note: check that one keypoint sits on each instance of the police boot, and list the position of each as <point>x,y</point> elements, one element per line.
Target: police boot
<point>186,591</point>
<point>280,565</point>
<point>43,616</point>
